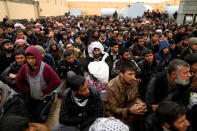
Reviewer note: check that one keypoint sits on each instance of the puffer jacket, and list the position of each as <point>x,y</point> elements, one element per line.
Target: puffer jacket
<point>119,98</point>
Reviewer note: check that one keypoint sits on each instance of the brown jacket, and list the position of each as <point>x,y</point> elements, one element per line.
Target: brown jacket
<point>119,98</point>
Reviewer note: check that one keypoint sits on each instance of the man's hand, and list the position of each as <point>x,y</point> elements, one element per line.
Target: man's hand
<point>12,76</point>
<point>41,94</point>
<point>138,109</point>
<point>154,107</point>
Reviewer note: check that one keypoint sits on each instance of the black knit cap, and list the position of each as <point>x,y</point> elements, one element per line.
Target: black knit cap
<point>68,53</point>
<point>6,41</point>
<point>191,58</point>
<point>76,81</point>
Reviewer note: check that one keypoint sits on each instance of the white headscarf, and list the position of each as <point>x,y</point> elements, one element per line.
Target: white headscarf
<point>94,45</point>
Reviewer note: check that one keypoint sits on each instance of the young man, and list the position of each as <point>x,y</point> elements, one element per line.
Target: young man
<point>81,106</point>
<point>113,52</point>
<point>172,116</point>
<point>37,80</point>
<point>9,74</point>
<point>149,66</point>
<point>121,100</point>
<point>137,49</point>
<point>124,57</point>
<point>7,55</point>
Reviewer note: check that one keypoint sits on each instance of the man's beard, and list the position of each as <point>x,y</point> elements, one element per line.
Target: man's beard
<point>9,50</point>
<point>180,81</point>
<point>97,56</point>
<point>126,60</point>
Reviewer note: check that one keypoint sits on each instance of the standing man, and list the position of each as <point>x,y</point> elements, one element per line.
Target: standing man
<point>37,80</point>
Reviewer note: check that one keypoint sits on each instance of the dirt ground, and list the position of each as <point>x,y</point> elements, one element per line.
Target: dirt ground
<point>54,113</point>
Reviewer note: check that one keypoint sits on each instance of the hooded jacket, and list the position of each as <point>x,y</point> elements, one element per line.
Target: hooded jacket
<point>50,77</point>
<point>159,56</point>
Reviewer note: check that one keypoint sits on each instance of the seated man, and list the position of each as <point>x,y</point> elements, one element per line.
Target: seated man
<point>81,106</point>
<point>122,99</point>
<point>37,80</point>
<point>96,53</point>
<point>169,116</point>
<point>11,103</point>
<point>125,57</point>
<point>173,85</point>
<point>46,57</point>
<point>9,75</point>
<point>149,66</point>
<point>65,65</point>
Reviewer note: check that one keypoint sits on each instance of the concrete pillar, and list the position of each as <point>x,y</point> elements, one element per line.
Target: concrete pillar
<point>186,7</point>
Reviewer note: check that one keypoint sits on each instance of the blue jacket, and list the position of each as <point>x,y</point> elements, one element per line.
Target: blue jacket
<point>163,45</point>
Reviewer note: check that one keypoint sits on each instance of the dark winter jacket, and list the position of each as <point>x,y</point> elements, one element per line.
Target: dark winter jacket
<point>13,68</point>
<point>159,89</point>
<point>64,67</point>
<point>5,61</point>
<point>73,115</point>
<point>146,73</point>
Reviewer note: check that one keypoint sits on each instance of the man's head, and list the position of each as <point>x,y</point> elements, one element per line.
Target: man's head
<point>69,46</point>
<point>68,56</point>
<point>192,60</point>
<point>140,41</point>
<point>41,49</point>
<point>128,72</point>
<point>179,72</point>
<point>185,40</point>
<point>79,86</point>
<point>115,47</point>
<point>155,37</point>
<point>19,56</point>
<point>119,37</point>
<point>96,52</point>
<point>33,58</point>
<point>193,44</point>
<point>148,55</point>
<point>20,35</point>
<point>7,45</point>
<point>172,116</point>
<point>124,55</point>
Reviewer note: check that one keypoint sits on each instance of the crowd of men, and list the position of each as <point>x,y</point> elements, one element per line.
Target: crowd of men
<point>112,73</point>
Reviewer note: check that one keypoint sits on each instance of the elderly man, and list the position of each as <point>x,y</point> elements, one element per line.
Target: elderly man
<point>122,97</point>
<point>173,85</point>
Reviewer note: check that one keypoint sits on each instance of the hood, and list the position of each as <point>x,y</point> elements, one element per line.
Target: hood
<point>36,53</point>
<point>7,94</point>
<point>163,45</point>
<point>94,45</point>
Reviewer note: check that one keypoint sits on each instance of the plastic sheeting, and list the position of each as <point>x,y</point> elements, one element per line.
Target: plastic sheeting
<point>171,10</point>
<point>108,11</point>
<point>135,10</point>
<point>75,11</point>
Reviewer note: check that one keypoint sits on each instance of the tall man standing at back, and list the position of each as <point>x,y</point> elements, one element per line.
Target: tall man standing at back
<point>37,80</point>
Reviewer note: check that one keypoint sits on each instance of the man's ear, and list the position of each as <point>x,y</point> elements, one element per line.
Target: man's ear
<point>74,92</point>
<point>174,75</point>
<point>121,74</point>
<point>166,125</point>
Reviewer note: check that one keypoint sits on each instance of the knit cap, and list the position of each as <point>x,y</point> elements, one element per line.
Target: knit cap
<point>108,124</point>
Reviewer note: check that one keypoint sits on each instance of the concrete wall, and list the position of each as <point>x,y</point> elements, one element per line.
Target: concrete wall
<point>186,7</point>
<point>53,7</point>
<point>16,10</point>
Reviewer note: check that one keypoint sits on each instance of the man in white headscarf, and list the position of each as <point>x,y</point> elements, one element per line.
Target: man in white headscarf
<point>96,53</point>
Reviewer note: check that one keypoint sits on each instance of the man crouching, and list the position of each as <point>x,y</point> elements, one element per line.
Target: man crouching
<point>122,97</point>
